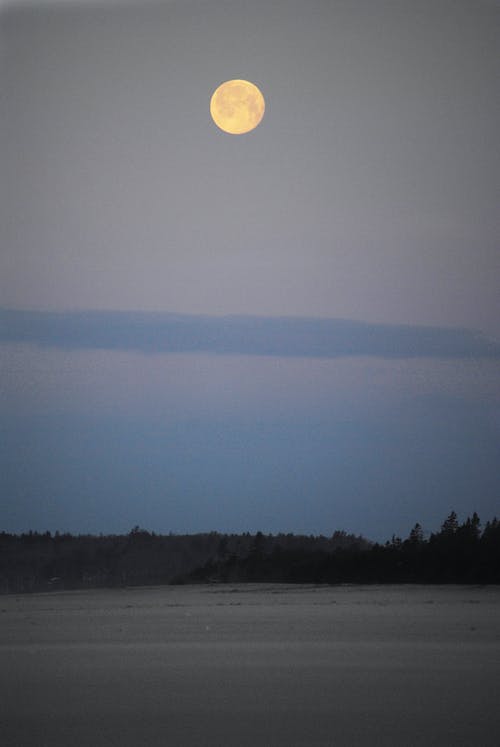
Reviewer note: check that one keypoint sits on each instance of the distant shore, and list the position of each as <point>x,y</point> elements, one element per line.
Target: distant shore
<point>459,553</point>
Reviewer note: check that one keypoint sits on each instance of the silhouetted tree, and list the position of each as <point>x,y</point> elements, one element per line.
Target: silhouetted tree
<point>450,525</point>
<point>416,536</point>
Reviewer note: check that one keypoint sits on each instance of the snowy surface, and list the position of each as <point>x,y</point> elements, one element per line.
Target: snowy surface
<point>251,665</point>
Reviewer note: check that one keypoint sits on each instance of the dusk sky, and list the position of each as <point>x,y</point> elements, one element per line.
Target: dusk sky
<point>295,329</point>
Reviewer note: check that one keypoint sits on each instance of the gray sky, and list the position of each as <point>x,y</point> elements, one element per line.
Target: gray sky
<point>368,194</point>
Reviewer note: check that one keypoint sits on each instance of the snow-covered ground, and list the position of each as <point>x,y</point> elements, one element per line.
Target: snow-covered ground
<point>252,665</point>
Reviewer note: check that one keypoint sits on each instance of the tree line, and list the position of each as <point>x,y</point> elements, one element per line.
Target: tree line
<point>457,553</point>
<point>35,561</point>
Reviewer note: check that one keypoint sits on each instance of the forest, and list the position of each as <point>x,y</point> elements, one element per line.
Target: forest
<point>457,553</point>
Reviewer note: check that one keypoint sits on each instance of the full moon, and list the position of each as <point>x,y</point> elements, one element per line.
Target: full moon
<point>237,106</point>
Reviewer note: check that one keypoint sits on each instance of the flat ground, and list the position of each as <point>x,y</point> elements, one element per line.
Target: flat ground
<point>270,665</point>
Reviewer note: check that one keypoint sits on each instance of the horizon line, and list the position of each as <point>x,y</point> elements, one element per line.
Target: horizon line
<point>151,332</point>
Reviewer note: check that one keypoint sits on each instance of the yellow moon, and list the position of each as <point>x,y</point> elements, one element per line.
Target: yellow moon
<point>237,106</point>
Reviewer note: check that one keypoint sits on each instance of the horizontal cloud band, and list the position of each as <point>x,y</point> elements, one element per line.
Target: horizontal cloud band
<point>151,332</point>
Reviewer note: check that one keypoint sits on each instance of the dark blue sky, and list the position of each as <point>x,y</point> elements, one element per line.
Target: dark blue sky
<point>295,329</point>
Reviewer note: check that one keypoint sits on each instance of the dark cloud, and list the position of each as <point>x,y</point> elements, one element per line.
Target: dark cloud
<point>151,332</point>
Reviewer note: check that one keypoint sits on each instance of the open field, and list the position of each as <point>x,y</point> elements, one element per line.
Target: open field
<point>270,665</point>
